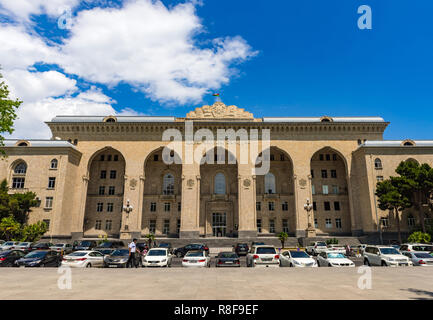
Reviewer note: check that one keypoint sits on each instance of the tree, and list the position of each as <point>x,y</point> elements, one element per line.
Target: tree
<point>283,237</point>
<point>419,181</point>
<point>18,204</point>
<point>419,237</point>
<point>9,228</point>
<point>332,241</point>
<point>150,238</point>
<point>8,114</point>
<point>392,196</point>
<point>33,232</point>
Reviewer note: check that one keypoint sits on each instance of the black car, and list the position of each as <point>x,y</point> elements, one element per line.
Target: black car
<point>227,259</point>
<point>84,245</point>
<point>166,245</point>
<point>40,258</point>
<point>41,246</point>
<point>180,252</point>
<point>241,249</point>
<point>8,258</point>
<point>141,246</point>
<point>110,245</point>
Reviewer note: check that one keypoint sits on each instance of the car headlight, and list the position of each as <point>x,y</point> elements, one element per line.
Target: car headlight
<point>145,260</point>
<point>164,260</point>
<point>297,262</point>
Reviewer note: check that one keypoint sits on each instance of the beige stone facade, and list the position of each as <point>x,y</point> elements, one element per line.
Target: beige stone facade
<point>101,164</point>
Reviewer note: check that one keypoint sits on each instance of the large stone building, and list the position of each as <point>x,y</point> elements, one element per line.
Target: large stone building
<point>108,176</point>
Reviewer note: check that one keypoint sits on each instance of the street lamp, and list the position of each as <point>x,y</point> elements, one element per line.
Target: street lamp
<point>311,232</point>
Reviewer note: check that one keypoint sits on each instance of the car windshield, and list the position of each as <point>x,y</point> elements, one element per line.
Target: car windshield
<point>23,243</point>
<point>259,243</point>
<point>105,245</point>
<point>195,254</point>
<point>389,251</point>
<point>9,243</point>
<point>228,255</point>
<point>156,253</point>
<point>36,254</point>
<point>321,244</point>
<point>78,254</point>
<point>59,245</point>
<point>423,248</point>
<point>265,250</point>
<point>105,251</point>
<point>299,254</point>
<point>335,256</point>
<point>123,252</point>
<point>422,255</point>
<point>164,245</point>
<point>243,245</point>
<point>85,243</point>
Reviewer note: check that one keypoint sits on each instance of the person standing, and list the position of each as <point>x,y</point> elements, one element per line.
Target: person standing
<point>132,249</point>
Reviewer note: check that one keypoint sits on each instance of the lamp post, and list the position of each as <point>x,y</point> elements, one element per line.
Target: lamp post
<point>311,231</point>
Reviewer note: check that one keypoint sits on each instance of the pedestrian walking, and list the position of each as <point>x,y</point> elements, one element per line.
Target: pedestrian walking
<point>132,249</point>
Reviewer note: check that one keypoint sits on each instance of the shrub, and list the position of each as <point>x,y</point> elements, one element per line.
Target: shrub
<point>419,237</point>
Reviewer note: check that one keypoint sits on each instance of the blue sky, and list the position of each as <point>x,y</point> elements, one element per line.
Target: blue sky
<point>301,58</point>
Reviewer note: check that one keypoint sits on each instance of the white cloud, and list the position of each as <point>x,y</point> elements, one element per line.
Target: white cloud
<point>22,9</point>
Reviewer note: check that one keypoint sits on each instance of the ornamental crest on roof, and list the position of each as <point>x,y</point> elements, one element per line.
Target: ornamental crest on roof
<point>219,111</point>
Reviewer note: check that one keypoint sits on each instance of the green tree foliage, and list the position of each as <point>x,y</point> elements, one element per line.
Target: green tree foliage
<point>150,238</point>
<point>393,196</point>
<point>332,241</point>
<point>10,229</point>
<point>283,237</point>
<point>419,237</point>
<point>18,204</point>
<point>33,232</point>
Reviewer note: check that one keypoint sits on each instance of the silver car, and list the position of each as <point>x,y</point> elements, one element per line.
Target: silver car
<point>65,248</point>
<point>420,258</point>
<point>8,245</point>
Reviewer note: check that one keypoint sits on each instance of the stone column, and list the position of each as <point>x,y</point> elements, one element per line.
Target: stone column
<point>302,192</point>
<point>246,202</point>
<point>78,231</point>
<point>190,214</point>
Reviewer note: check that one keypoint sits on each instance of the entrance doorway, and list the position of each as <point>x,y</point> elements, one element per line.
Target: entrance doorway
<point>219,224</point>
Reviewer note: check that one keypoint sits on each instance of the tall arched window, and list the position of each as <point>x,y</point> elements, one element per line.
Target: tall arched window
<point>220,184</point>
<point>168,184</point>
<point>20,168</point>
<point>54,164</point>
<point>269,183</point>
<point>378,163</point>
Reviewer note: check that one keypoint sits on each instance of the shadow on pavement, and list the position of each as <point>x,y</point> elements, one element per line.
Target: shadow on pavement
<point>427,295</point>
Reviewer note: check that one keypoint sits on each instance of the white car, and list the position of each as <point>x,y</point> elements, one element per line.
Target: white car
<point>333,259</point>
<point>316,247</point>
<point>83,259</point>
<point>263,256</point>
<point>8,245</point>
<point>385,256</point>
<point>157,257</point>
<point>416,247</point>
<point>420,258</point>
<point>294,258</point>
<point>196,258</point>
<point>337,248</point>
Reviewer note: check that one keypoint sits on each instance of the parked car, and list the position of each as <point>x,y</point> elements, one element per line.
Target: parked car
<point>384,256</point>
<point>41,246</point>
<point>420,258</point>
<point>257,243</point>
<point>227,259</point>
<point>111,244</point>
<point>196,258</point>
<point>84,245</point>
<point>119,258</point>
<point>8,245</point>
<point>166,245</point>
<point>316,247</point>
<point>263,255</point>
<point>337,248</point>
<point>142,246</point>
<point>64,248</point>
<point>295,258</point>
<point>40,258</point>
<point>105,252</point>
<point>241,249</point>
<point>83,259</point>
<point>181,252</point>
<point>157,257</point>
<point>333,259</point>
<point>416,247</point>
<point>1,242</point>
<point>8,257</point>
<point>25,247</point>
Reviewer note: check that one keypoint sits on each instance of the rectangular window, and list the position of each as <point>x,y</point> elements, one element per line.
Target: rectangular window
<point>335,189</point>
<point>325,189</point>
<point>271,206</point>
<point>324,174</point>
<point>271,226</point>
<point>328,157</point>
<point>166,228</point>
<point>116,157</point>
<point>328,223</point>
<point>103,174</point>
<point>285,206</point>
<point>285,226</point>
<point>113,174</point>
<point>411,221</point>
<point>314,206</point>
<point>152,226</point>
<point>312,173</point>
<point>428,221</point>
<point>281,157</point>
<point>48,202</point>
<point>101,190</point>
<point>109,157</point>
<point>47,222</point>
<point>51,182</point>
<point>258,206</point>
<point>152,206</point>
<point>272,157</point>
<point>338,223</point>
<point>259,225</point>
<point>384,222</point>
<point>333,173</point>
<point>167,206</point>
<point>336,205</point>
<point>379,178</point>
<point>321,157</point>
<point>334,157</point>
<point>98,224</point>
<point>18,183</point>
<point>111,190</point>
<point>99,207</point>
<point>178,226</point>
<point>108,224</point>
<point>327,206</point>
<point>179,206</point>
<point>102,158</point>
<point>110,207</point>
<point>313,189</point>
<point>155,157</point>
<point>316,225</point>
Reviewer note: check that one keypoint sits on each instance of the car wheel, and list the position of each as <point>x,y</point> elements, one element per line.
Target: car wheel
<point>318,263</point>
<point>366,262</point>
<point>383,264</point>
<point>42,265</point>
<point>291,265</point>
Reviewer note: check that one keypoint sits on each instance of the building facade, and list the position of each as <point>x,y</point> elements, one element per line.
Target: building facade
<point>111,176</point>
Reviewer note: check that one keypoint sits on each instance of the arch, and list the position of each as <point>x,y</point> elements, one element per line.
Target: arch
<point>20,167</point>
<point>54,164</point>
<point>408,143</point>
<point>412,160</point>
<point>270,183</point>
<point>330,149</point>
<point>97,153</point>
<point>377,163</point>
<point>326,119</point>
<point>175,156</point>
<point>220,183</point>
<point>22,143</point>
<point>110,119</point>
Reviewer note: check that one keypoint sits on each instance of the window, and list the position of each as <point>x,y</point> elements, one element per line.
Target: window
<point>99,207</point>
<point>258,206</point>
<point>377,163</point>
<point>152,226</point>
<point>272,157</point>
<point>324,174</point>
<point>271,206</point>
<point>312,173</point>
<point>47,222</point>
<point>334,157</point>
<point>168,184</point>
<point>110,207</point>
<point>102,158</point>
<point>259,225</point>
<point>48,202</point>
<point>285,206</point>
<point>379,178</point>
<point>53,164</point>
<point>271,226</point>
<point>108,224</point>
<point>116,157</point>
<point>313,189</point>
<point>314,206</point>
<point>428,221</point>
<point>109,157</point>
<point>155,157</point>
<point>179,206</point>
<point>338,223</point>
<point>411,221</point>
<point>98,224</point>
<point>328,157</point>
<point>18,183</point>
<point>281,157</point>
<point>21,168</point>
<point>321,158</point>
<point>333,173</point>
<point>113,174</point>
<point>51,182</point>
<point>325,189</point>
<point>166,228</point>
<point>153,206</point>
<point>285,226</point>
<point>384,222</point>
<point>178,226</point>
<point>336,206</point>
<point>335,189</point>
<point>328,223</point>
<point>269,183</point>
<point>101,190</point>
<point>316,225</point>
<point>111,190</point>
<point>327,206</point>
<point>167,206</point>
<point>220,183</point>
<point>103,174</point>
